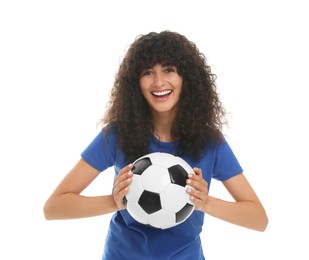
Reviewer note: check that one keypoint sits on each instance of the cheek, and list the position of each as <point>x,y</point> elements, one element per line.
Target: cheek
<point>142,87</point>
<point>143,90</point>
<point>179,83</point>
<point>179,86</point>
<point>143,83</point>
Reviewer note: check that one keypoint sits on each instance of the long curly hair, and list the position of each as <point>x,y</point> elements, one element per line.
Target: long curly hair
<point>201,115</point>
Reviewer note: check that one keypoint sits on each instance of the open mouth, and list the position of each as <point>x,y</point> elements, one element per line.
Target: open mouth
<point>161,94</point>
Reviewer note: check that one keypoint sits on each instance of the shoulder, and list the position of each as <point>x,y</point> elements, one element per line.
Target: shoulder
<point>109,132</point>
<point>101,151</point>
<point>107,135</point>
<point>227,164</point>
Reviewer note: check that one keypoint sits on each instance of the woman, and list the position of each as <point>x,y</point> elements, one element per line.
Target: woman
<point>164,99</point>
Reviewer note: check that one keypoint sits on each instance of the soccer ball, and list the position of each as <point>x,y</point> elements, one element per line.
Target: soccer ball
<point>157,196</point>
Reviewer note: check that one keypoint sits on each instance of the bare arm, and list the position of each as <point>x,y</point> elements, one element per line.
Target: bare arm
<point>67,203</point>
<point>246,210</point>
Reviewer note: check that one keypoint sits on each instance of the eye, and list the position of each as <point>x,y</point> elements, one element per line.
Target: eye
<point>146,73</point>
<point>169,69</point>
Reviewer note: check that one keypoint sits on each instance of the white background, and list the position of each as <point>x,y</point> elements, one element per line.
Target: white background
<point>58,60</point>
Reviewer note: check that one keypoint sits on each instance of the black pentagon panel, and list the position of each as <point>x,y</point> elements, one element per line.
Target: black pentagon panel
<point>141,165</point>
<point>178,175</point>
<point>150,202</point>
<point>182,214</point>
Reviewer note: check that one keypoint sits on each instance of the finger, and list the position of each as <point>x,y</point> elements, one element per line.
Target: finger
<point>120,198</point>
<point>123,178</point>
<point>197,178</point>
<point>121,194</point>
<point>124,174</point>
<point>197,182</point>
<point>123,181</point>
<point>197,171</point>
<point>122,185</point>
<point>196,193</point>
<point>125,169</point>
<point>198,198</point>
<point>197,175</point>
<point>192,196</point>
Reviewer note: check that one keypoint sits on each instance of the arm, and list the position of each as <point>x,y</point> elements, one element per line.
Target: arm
<point>246,210</point>
<point>67,203</point>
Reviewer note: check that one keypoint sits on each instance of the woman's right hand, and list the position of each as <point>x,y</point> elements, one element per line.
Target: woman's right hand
<point>121,186</point>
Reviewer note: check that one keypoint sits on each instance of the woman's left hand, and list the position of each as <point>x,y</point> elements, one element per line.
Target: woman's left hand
<point>199,194</point>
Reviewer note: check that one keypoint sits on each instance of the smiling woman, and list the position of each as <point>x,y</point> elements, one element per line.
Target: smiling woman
<point>164,99</point>
<point>162,62</point>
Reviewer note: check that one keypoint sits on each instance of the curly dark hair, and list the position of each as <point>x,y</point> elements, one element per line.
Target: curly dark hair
<point>201,115</point>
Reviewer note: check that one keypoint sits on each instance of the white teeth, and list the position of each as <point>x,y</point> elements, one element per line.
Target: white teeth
<point>162,93</point>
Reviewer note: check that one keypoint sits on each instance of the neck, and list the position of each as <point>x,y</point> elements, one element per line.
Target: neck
<point>162,127</point>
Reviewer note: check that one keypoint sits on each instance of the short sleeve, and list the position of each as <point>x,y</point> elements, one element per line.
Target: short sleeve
<point>226,163</point>
<point>100,153</point>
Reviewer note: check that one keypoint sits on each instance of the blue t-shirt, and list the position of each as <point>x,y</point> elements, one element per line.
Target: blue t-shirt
<point>128,239</point>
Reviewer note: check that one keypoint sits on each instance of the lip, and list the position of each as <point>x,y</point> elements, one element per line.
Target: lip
<point>162,95</point>
<point>159,93</point>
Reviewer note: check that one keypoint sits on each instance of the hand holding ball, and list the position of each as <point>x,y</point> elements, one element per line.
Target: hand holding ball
<point>157,196</point>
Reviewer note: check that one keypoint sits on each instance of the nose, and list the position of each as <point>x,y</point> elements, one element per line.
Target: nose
<point>159,79</point>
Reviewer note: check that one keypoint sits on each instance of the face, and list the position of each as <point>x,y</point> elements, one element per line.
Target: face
<point>161,86</point>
